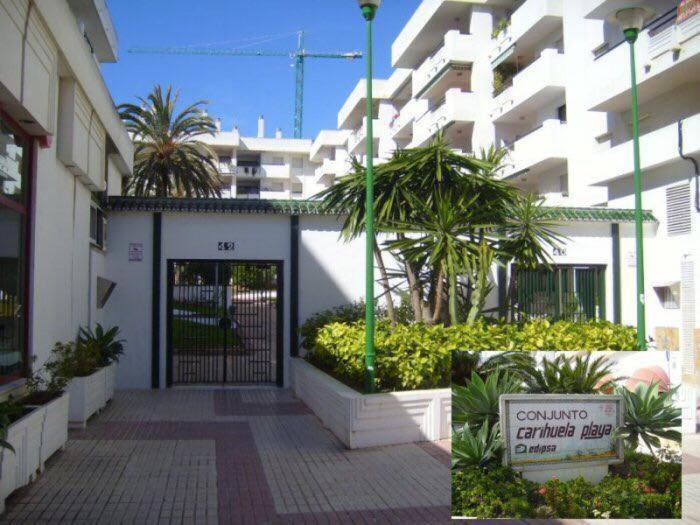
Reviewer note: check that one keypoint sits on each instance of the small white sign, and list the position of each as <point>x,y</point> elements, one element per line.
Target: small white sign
<point>631,258</point>
<point>542,430</point>
<point>136,251</point>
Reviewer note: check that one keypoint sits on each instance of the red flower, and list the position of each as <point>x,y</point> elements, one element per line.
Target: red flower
<point>542,491</point>
<point>648,490</point>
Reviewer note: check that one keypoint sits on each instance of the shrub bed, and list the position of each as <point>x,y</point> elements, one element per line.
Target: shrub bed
<point>417,356</point>
<point>409,357</point>
<point>631,490</point>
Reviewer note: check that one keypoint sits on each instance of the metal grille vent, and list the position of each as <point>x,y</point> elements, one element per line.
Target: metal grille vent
<point>678,209</point>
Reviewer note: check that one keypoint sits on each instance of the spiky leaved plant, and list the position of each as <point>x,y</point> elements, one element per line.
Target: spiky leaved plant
<point>570,375</point>
<point>650,415</point>
<point>476,448</point>
<point>478,401</point>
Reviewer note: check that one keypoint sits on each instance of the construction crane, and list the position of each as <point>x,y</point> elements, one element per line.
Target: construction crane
<point>299,57</point>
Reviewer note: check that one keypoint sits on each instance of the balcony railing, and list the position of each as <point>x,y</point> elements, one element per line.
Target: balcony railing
<point>457,48</point>
<point>540,149</point>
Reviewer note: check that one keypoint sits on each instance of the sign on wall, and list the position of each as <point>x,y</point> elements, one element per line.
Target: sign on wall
<point>226,246</point>
<point>136,251</point>
<point>542,430</point>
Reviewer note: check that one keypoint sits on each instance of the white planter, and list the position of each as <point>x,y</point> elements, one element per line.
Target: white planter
<point>360,420</point>
<point>19,468</point>
<point>110,381</point>
<point>87,396</point>
<point>54,433</point>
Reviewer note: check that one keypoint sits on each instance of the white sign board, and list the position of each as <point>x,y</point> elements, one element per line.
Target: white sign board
<point>136,251</point>
<point>543,430</point>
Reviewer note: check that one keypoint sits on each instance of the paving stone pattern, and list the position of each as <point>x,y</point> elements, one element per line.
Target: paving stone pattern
<point>229,456</point>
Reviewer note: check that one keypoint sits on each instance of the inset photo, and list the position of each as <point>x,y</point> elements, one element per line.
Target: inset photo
<point>555,435</point>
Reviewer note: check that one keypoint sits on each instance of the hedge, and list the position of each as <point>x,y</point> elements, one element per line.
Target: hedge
<point>417,356</point>
<point>631,490</point>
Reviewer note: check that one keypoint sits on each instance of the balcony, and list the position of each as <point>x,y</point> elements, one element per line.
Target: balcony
<point>658,148</point>
<point>458,110</point>
<point>276,171</point>
<point>330,170</point>
<point>445,68</point>
<point>668,56</point>
<point>539,84</point>
<point>402,125</point>
<point>357,139</point>
<point>528,24</point>
<point>426,29</point>
<point>541,150</point>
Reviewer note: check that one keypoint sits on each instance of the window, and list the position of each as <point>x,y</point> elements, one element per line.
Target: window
<point>276,161</point>
<point>98,225</point>
<point>564,184</point>
<point>669,296</point>
<point>14,168</point>
<point>561,113</point>
<point>678,210</point>
<point>298,163</point>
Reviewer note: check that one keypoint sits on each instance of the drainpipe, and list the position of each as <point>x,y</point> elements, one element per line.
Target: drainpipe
<point>693,162</point>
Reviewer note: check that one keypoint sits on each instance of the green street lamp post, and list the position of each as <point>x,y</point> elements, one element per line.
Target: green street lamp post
<point>369,10</point>
<point>631,20</point>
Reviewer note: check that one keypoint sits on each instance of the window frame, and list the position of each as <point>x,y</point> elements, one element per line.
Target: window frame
<point>26,210</point>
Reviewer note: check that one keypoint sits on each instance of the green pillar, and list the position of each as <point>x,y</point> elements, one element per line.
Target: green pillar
<point>368,12</point>
<point>631,37</point>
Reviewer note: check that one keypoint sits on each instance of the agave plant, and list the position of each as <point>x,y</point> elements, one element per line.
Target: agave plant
<point>477,402</point>
<point>570,375</point>
<point>464,362</point>
<point>650,415</point>
<point>476,448</point>
<point>106,342</point>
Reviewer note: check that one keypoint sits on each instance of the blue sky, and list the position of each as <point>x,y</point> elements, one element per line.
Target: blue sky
<point>240,88</point>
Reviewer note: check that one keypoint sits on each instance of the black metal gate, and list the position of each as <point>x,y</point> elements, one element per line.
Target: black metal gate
<point>224,322</point>
<point>574,293</point>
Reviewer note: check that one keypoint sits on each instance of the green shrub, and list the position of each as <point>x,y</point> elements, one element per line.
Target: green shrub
<point>542,334</point>
<point>409,357</point>
<point>614,497</point>
<point>106,342</point>
<point>659,475</point>
<point>348,313</point>
<point>70,360</point>
<point>491,493</point>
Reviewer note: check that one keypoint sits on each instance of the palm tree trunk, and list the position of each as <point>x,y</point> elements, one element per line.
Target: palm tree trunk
<point>438,299</point>
<point>453,298</point>
<point>390,310</point>
<point>414,289</point>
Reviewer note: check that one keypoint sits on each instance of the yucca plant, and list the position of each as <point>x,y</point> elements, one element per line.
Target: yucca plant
<point>476,448</point>
<point>650,415</point>
<point>106,342</point>
<point>477,402</point>
<point>570,375</point>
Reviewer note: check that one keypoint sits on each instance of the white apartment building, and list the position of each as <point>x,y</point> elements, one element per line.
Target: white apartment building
<point>264,167</point>
<point>550,81</point>
<point>62,146</point>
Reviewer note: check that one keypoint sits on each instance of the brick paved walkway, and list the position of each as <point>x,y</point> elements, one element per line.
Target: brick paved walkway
<point>229,456</point>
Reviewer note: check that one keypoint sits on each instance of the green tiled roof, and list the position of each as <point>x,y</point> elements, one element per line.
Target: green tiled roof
<point>311,207</point>
<point>278,207</point>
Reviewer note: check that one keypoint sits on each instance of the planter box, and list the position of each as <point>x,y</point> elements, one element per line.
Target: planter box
<point>54,433</point>
<point>87,396</point>
<point>110,381</point>
<point>360,420</point>
<point>20,468</point>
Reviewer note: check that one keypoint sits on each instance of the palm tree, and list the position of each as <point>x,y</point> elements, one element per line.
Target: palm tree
<point>169,161</point>
<point>429,191</point>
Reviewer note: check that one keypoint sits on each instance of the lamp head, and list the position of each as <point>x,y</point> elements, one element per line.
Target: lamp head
<point>631,20</point>
<point>369,8</point>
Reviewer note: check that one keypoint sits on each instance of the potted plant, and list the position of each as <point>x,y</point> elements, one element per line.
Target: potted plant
<point>110,347</point>
<point>47,391</point>
<point>20,448</point>
<point>81,362</point>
